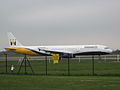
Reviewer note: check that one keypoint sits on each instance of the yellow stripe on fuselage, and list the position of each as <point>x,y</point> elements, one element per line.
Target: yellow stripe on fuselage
<point>22,50</point>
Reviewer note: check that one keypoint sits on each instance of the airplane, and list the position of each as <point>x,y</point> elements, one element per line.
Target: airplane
<point>64,51</point>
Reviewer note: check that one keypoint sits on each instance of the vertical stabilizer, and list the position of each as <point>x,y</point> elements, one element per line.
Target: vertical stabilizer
<point>12,40</point>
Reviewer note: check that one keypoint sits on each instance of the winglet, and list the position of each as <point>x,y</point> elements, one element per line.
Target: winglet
<point>12,40</point>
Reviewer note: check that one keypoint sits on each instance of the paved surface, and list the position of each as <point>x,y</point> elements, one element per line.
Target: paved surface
<point>50,58</point>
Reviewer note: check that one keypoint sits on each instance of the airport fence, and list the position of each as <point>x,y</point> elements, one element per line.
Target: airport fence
<point>41,65</point>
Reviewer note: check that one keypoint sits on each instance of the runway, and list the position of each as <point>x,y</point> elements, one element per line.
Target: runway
<point>50,58</point>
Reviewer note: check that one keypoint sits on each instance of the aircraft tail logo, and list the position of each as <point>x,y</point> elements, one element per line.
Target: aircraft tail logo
<point>12,40</point>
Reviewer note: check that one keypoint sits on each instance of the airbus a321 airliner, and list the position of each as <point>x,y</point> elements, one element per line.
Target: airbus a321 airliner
<point>62,50</point>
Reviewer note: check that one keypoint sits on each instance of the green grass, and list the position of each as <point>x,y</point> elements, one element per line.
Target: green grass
<point>107,76</point>
<point>29,82</point>
<point>109,68</point>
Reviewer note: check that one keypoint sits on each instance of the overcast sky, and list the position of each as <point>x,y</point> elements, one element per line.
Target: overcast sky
<point>61,22</point>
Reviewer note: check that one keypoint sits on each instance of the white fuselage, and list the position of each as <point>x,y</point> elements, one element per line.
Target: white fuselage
<point>71,49</point>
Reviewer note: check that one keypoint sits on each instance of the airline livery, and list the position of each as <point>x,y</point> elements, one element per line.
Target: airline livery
<point>62,50</point>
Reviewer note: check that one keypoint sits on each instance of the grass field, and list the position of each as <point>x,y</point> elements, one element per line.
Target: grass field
<point>107,76</point>
<point>29,82</point>
<point>84,67</point>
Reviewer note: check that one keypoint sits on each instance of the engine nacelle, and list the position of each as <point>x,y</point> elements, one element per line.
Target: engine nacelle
<point>68,56</point>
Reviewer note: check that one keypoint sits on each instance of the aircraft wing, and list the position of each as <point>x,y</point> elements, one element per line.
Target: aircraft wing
<point>55,51</point>
<point>62,53</point>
